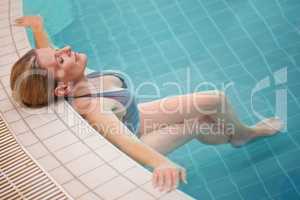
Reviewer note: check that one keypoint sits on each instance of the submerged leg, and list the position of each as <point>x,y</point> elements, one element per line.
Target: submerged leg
<point>267,127</point>
<point>240,133</point>
<point>206,116</point>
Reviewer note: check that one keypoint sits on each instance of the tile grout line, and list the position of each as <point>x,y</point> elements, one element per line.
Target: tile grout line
<point>25,121</point>
<point>107,163</point>
<point>174,35</point>
<point>284,16</point>
<point>48,150</point>
<point>11,31</point>
<point>200,39</point>
<point>135,42</point>
<point>274,155</point>
<point>18,56</point>
<point>156,45</point>
<point>271,32</point>
<point>228,77</point>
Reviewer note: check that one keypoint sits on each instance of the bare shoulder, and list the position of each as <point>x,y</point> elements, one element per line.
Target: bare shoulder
<point>88,106</point>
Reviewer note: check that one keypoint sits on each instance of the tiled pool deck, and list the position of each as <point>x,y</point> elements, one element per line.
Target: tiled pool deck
<point>20,176</point>
<point>75,155</point>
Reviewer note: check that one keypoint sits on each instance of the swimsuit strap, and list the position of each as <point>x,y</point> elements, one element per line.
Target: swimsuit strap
<point>101,94</point>
<point>87,95</point>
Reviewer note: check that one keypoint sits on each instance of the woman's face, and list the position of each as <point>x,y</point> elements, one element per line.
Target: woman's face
<point>65,64</point>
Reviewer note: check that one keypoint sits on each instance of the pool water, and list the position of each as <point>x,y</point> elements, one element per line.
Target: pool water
<point>191,42</point>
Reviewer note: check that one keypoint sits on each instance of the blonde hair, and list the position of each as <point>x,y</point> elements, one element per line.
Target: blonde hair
<point>30,84</point>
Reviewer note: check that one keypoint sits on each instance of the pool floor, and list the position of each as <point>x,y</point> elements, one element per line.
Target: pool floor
<point>236,43</point>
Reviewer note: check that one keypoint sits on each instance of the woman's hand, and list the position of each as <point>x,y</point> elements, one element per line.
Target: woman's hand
<point>34,22</point>
<point>167,176</point>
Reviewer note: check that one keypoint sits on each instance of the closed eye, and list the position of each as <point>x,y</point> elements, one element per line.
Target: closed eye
<point>60,60</point>
<point>58,57</point>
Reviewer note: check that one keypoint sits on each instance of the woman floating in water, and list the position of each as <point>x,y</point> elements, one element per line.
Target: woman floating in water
<point>44,74</point>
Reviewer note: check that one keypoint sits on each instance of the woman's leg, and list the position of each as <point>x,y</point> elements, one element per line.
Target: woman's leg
<point>163,112</point>
<point>240,133</point>
<point>210,111</point>
<point>169,138</point>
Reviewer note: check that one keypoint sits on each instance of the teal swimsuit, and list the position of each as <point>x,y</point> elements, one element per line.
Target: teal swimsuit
<point>125,97</point>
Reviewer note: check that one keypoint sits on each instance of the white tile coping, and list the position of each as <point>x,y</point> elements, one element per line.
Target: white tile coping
<point>22,157</point>
<point>64,144</point>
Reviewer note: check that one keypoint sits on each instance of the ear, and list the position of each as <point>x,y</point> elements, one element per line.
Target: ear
<point>62,90</point>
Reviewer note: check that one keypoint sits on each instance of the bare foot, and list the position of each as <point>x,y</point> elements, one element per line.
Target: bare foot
<point>267,127</point>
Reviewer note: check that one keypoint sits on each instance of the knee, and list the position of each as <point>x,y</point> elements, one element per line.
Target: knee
<point>222,98</point>
<point>219,98</point>
<point>221,94</point>
<point>221,101</point>
<point>211,100</point>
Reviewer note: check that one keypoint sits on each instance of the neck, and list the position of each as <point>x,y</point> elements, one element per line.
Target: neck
<point>80,86</point>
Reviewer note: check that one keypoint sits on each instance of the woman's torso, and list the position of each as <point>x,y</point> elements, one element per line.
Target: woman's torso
<point>111,86</point>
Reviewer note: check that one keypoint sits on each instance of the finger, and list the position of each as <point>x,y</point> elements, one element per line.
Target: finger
<point>18,22</point>
<point>168,180</point>
<point>155,179</point>
<point>175,178</point>
<point>161,180</point>
<point>19,19</point>
<point>183,176</point>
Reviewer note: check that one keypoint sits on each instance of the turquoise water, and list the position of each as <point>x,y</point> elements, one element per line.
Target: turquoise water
<point>219,41</point>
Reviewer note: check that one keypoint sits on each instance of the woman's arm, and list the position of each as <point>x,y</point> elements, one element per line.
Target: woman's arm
<point>117,133</point>
<point>37,26</point>
<point>166,175</point>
